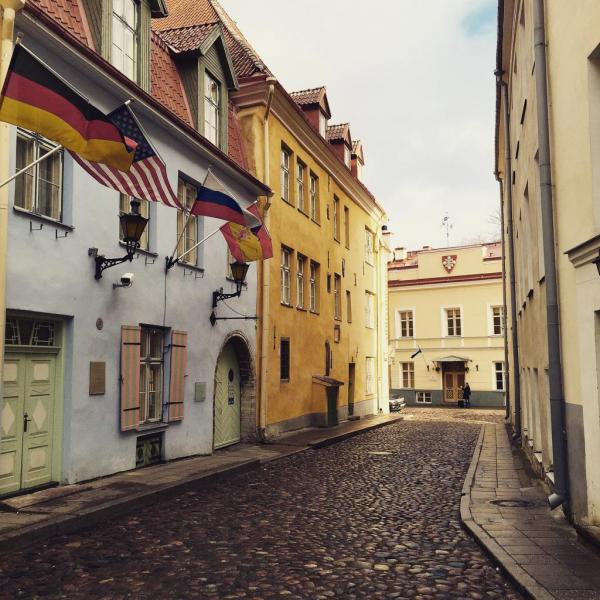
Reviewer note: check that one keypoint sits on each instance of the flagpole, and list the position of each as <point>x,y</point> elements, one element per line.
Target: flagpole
<point>35,162</point>
<point>198,244</point>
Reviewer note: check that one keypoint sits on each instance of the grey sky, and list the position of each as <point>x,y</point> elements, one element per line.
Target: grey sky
<point>415,81</point>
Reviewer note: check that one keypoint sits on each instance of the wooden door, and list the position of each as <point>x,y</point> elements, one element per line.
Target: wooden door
<point>227,412</point>
<point>453,384</point>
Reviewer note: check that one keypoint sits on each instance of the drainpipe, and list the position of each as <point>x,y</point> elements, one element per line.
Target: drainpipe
<point>265,279</point>
<point>7,23</point>
<point>511,255</point>
<point>557,400</point>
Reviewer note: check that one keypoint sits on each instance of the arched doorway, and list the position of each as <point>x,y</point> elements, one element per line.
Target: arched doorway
<point>234,395</point>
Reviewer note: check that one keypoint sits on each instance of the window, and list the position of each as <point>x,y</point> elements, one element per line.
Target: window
<point>186,193</point>
<point>314,286</point>
<point>347,226</point>
<point>336,333</point>
<point>337,297</point>
<point>124,37</point>
<point>125,207</point>
<point>285,174</point>
<point>286,254</point>
<point>151,374</point>
<point>300,177</point>
<point>336,218</point>
<point>349,306</point>
<point>39,189</point>
<point>212,109</point>
<point>370,374</point>
<point>314,197</point>
<point>369,310</point>
<point>28,332</point>
<point>407,374</point>
<point>423,397</point>
<point>322,124</point>
<point>284,359</point>
<point>405,322</point>
<point>300,281</point>
<point>499,376</point>
<point>369,246</point>
<point>347,155</point>
<point>497,320</point>
<point>453,322</point>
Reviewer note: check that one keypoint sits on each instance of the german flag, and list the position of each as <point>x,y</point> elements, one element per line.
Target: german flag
<point>35,98</point>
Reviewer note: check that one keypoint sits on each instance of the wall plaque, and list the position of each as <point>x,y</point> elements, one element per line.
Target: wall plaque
<point>200,391</point>
<point>97,378</point>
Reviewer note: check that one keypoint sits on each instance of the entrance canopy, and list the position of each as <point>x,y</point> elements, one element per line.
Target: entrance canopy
<point>452,359</point>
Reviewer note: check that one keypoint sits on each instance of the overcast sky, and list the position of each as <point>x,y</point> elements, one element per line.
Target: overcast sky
<point>415,82</point>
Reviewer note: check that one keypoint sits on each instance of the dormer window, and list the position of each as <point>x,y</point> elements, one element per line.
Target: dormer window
<point>322,124</point>
<point>124,37</point>
<point>347,156</point>
<point>212,101</point>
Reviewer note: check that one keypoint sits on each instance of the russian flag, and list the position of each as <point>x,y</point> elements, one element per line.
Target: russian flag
<point>215,200</point>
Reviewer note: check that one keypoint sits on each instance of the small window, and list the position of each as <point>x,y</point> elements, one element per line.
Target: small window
<point>336,218</point>
<point>300,281</point>
<point>423,397</point>
<point>314,197</point>
<point>369,246</point>
<point>499,376</point>
<point>337,333</point>
<point>349,306</point>
<point>124,37</point>
<point>125,207</point>
<point>286,256</point>
<point>285,173</point>
<point>453,322</point>
<point>322,124</point>
<point>370,374</point>
<point>337,297</point>
<point>407,375</point>
<point>300,178</point>
<point>212,109</point>
<point>314,286</point>
<point>284,359</point>
<point>406,324</point>
<point>186,193</point>
<point>151,374</point>
<point>369,310</point>
<point>498,320</point>
<point>347,155</point>
<point>39,189</point>
<point>347,226</point>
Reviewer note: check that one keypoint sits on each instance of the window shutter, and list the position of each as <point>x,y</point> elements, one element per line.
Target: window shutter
<point>177,383</point>
<point>130,377</point>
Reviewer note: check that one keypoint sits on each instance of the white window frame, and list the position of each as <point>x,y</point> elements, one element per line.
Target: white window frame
<point>118,54</point>
<point>149,363</point>
<point>286,270</point>
<point>300,270</point>
<point>212,110</point>
<point>369,310</point>
<point>286,157</point>
<point>370,375</point>
<point>187,193</point>
<point>347,155</point>
<point>336,218</point>
<point>369,246</point>
<point>423,397</point>
<point>407,369</point>
<point>301,185</point>
<point>322,124</point>
<point>314,197</point>
<point>492,319</point>
<point>314,287</point>
<point>444,316</point>
<point>31,199</point>
<point>495,373</point>
<point>337,297</point>
<point>410,324</point>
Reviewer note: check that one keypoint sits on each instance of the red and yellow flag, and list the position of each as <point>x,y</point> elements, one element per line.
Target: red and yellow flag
<point>35,98</point>
<point>248,244</point>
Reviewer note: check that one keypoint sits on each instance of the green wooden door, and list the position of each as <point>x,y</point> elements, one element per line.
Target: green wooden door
<point>26,421</point>
<point>227,419</point>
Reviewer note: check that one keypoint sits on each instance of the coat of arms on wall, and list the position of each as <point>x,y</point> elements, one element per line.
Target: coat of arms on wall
<point>449,262</point>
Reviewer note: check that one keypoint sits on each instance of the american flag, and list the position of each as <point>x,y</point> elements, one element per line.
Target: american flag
<point>147,178</point>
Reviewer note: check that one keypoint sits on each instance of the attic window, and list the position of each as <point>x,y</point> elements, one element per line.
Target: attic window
<point>212,100</point>
<point>347,155</point>
<point>124,35</point>
<point>322,124</point>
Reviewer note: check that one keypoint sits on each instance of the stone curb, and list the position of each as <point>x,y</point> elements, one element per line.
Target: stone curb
<point>329,441</point>
<point>525,583</point>
<point>88,517</point>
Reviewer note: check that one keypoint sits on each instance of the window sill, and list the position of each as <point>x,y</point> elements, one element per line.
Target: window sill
<point>303,213</point>
<point>42,218</point>
<point>159,426</point>
<point>286,305</point>
<point>140,250</point>
<point>338,319</point>
<point>314,312</point>
<point>191,267</point>
<point>336,240</point>
<point>369,263</point>
<point>284,380</point>
<point>288,202</point>
<point>301,308</point>
<point>315,222</point>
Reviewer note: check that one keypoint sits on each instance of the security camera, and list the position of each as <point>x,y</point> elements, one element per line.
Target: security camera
<point>126,281</point>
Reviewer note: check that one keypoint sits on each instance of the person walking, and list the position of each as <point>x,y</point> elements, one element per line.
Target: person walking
<point>467,395</point>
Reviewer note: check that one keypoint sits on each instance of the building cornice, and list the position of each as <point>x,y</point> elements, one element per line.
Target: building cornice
<point>253,92</point>
<point>444,280</point>
<point>585,252</point>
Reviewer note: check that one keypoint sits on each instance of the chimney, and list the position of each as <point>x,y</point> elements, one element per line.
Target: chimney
<point>400,253</point>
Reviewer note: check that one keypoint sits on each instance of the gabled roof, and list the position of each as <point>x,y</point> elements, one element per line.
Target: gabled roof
<point>70,15</point>
<point>339,133</point>
<point>313,97</point>
<point>183,13</point>
<point>357,150</point>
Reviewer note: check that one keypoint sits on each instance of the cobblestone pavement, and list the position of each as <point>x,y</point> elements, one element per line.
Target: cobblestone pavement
<point>376,516</point>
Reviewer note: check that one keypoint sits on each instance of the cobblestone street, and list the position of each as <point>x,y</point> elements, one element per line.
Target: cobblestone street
<point>376,516</point>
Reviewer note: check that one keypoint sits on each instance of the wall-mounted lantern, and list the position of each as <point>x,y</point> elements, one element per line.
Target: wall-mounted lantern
<point>238,272</point>
<point>132,227</point>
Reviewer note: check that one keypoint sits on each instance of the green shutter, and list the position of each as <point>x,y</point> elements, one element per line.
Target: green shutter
<point>177,379</point>
<point>130,376</point>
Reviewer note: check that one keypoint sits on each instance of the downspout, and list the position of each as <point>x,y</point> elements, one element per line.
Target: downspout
<point>7,23</point>
<point>555,380</point>
<point>511,255</point>
<point>265,272</point>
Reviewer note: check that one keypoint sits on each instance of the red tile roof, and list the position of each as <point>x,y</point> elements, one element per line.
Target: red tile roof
<point>183,13</point>
<point>311,96</point>
<point>166,85</point>
<point>70,15</point>
<point>337,133</point>
<point>235,140</point>
<point>186,38</point>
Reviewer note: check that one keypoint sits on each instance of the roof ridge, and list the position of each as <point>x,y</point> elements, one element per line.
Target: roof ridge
<point>314,89</point>
<point>159,31</point>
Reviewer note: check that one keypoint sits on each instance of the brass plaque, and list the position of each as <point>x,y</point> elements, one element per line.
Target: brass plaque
<point>97,378</point>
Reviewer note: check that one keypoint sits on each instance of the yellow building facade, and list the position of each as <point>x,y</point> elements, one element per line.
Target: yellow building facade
<point>322,296</point>
<point>547,160</point>
<point>446,321</point>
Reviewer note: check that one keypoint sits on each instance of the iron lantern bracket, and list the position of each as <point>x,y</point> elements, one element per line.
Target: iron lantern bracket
<point>219,295</point>
<point>102,263</point>
<point>213,318</point>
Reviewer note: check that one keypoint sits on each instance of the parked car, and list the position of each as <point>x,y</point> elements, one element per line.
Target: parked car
<point>397,404</point>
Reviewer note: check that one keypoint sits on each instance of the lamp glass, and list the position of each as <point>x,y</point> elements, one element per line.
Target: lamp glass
<point>238,271</point>
<point>133,226</point>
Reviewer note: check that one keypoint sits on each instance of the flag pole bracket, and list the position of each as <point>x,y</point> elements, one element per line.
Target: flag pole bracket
<point>213,318</point>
